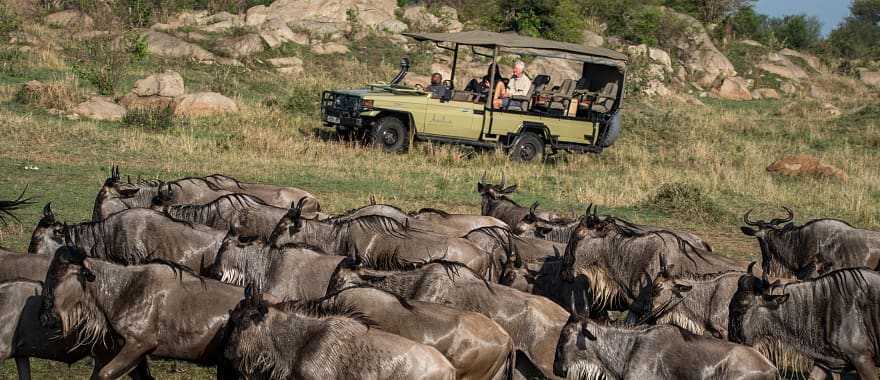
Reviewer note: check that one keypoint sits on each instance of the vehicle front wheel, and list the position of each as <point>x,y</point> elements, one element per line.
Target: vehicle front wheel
<point>391,135</point>
<point>527,147</point>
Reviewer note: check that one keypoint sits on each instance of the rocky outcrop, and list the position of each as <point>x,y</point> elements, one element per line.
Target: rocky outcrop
<point>445,19</point>
<point>329,48</point>
<point>870,78</point>
<point>780,65</point>
<point>590,38</point>
<point>100,108</point>
<point>805,165</point>
<point>167,84</point>
<point>242,46</point>
<point>201,104</point>
<point>275,33</point>
<point>704,63</point>
<point>812,61</point>
<point>287,65</point>
<point>765,93</point>
<point>327,17</point>
<point>166,45</point>
<point>71,19</point>
<point>734,88</point>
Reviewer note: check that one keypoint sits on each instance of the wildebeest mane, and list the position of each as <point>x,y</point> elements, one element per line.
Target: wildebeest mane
<point>7,208</point>
<point>21,279</point>
<point>428,210</point>
<point>217,176</point>
<point>176,268</point>
<point>403,301</point>
<point>210,213</point>
<point>318,309</point>
<point>377,223</point>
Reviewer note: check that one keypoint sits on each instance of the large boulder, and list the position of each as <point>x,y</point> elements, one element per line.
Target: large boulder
<point>168,46</point>
<point>765,93</point>
<point>335,13</point>
<point>100,108</point>
<point>275,32</point>
<point>811,60</point>
<point>590,38</point>
<point>168,84</point>
<point>329,48</point>
<point>782,66</point>
<point>287,65</point>
<point>242,46</point>
<point>805,165</point>
<point>703,60</point>
<point>204,104</point>
<point>658,56</point>
<point>132,101</point>
<point>421,19</point>
<point>72,19</point>
<point>734,88</point>
<point>870,78</point>
<point>557,68</point>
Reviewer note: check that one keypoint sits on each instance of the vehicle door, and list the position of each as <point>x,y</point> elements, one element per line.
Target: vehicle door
<point>451,118</point>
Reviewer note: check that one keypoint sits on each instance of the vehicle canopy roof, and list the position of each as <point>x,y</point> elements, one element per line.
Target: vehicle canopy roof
<point>515,43</point>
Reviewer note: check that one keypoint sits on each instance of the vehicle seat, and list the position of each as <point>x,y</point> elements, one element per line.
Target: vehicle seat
<point>561,99</point>
<point>463,96</point>
<point>606,98</point>
<point>538,85</point>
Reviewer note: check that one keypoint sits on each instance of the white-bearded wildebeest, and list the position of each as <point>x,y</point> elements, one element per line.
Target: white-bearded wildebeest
<point>496,203</point>
<point>590,351</point>
<point>815,248</point>
<point>131,237</point>
<point>619,262</point>
<point>476,346</point>
<point>116,195</point>
<point>247,215</point>
<point>306,341</point>
<point>437,221</point>
<point>533,322</point>
<point>23,336</point>
<point>372,239</point>
<point>560,230</point>
<point>833,320</point>
<point>163,310</point>
<point>288,272</point>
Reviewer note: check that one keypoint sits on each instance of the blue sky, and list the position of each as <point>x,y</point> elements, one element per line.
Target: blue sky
<point>830,12</point>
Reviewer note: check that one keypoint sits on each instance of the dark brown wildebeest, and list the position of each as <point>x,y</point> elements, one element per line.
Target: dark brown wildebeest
<point>116,195</point>
<point>436,221</point>
<point>457,222</point>
<point>496,203</point>
<point>560,230</point>
<point>619,262</point>
<point>131,237</point>
<point>303,340</point>
<point>476,346</point>
<point>533,322</point>
<point>588,350</point>
<point>371,239</point>
<point>14,265</point>
<point>22,336</point>
<point>833,320</point>
<point>247,215</point>
<point>815,248</point>
<point>288,272</point>
<point>163,310</point>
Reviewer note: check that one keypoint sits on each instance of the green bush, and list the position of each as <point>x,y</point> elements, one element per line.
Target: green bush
<point>858,37</point>
<point>103,63</point>
<point>553,19</point>
<point>686,200</point>
<point>304,99</point>
<point>797,31</point>
<point>158,118</point>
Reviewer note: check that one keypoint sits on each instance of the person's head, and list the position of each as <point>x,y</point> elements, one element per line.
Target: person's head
<point>518,68</point>
<point>497,71</point>
<point>436,78</point>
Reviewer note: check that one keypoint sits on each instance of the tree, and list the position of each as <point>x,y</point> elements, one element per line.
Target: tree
<point>797,31</point>
<point>554,19</point>
<point>711,11</point>
<point>858,37</point>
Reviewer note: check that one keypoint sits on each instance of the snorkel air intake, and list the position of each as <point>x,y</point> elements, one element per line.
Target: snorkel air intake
<point>404,68</point>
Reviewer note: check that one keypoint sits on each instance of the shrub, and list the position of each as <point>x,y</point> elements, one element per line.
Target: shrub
<point>304,99</point>
<point>158,118</point>
<point>9,21</point>
<point>797,31</point>
<point>61,95</point>
<point>686,200</point>
<point>554,19</point>
<point>104,63</point>
<point>858,37</point>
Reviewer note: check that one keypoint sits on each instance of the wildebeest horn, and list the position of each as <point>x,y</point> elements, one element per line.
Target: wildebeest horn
<point>751,268</point>
<point>47,211</point>
<point>114,172</point>
<point>748,221</point>
<point>590,207</point>
<point>533,208</point>
<point>372,199</point>
<point>128,178</point>
<point>789,218</point>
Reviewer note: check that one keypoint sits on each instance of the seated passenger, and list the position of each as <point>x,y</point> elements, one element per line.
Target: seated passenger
<point>520,84</point>
<point>436,87</point>
<point>500,86</point>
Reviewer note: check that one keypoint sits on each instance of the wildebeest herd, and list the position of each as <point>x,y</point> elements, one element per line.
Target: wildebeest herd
<point>256,281</point>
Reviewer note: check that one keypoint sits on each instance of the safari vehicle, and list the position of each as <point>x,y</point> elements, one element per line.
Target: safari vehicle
<point>577,115</point>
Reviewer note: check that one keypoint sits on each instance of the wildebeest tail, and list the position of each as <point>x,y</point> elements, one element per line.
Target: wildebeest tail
<point>8,207</point>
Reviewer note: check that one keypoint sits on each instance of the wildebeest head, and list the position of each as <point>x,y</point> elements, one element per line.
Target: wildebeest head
<point>113,195</point>
<point>48,236</point>
<point>752,302</point>
<point>766,232</point>
<point>491,193</point>
<point>535,225</point>
<point>664,294</point>
<point>577,351</point>
<point>241,260</point>
<point>290,228</point>
<point>248,338</point>
<point>65,298</point>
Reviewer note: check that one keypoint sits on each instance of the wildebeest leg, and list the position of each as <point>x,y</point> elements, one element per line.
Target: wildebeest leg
<point>23,365</point>
<point>865,367</point>
<point>132,354</point>
<point>142,371</point>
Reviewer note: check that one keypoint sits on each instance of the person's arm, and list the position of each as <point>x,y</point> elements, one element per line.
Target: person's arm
<point>500,92</point>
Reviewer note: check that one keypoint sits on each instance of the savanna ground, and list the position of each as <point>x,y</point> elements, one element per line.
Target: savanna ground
<point>690,167</point>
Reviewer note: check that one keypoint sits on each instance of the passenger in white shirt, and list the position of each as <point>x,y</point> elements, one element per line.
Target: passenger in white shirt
<point>518,85</point>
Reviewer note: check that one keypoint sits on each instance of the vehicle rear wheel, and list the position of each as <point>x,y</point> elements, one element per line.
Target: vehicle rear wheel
<point>527,147</point>
<point>391,135</point>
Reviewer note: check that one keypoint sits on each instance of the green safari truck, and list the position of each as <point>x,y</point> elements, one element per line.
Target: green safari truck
<point>580,115</point>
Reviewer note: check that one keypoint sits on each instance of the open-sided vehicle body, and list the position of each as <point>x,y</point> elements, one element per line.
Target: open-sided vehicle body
<point>577,115</point>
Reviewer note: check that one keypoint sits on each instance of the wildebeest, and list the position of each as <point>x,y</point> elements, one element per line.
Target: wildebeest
<point>22,336</point>
<point>618,261</point>
<point>14,265</point>
<point>560,230</point>
<point>589,350</point>
<point>496,203</point>
<point>372,239</point>
<point>457,222</point>
<point>833,319</point>
<point>308,341</point>
<point>162,309</point>
<point>116,195</point>
<point>817,247</point>
<point>476,346</point>
<point>247,215</point>
<point>288,272</point>
<point>533,322</point>
<point>131,237</point>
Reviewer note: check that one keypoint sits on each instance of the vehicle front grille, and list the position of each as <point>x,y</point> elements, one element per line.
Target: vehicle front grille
<point>341,102</point>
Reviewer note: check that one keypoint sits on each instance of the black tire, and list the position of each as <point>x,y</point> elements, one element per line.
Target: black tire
<point>612,131</point>
<point>527,147</point>
<point>391,135</point>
